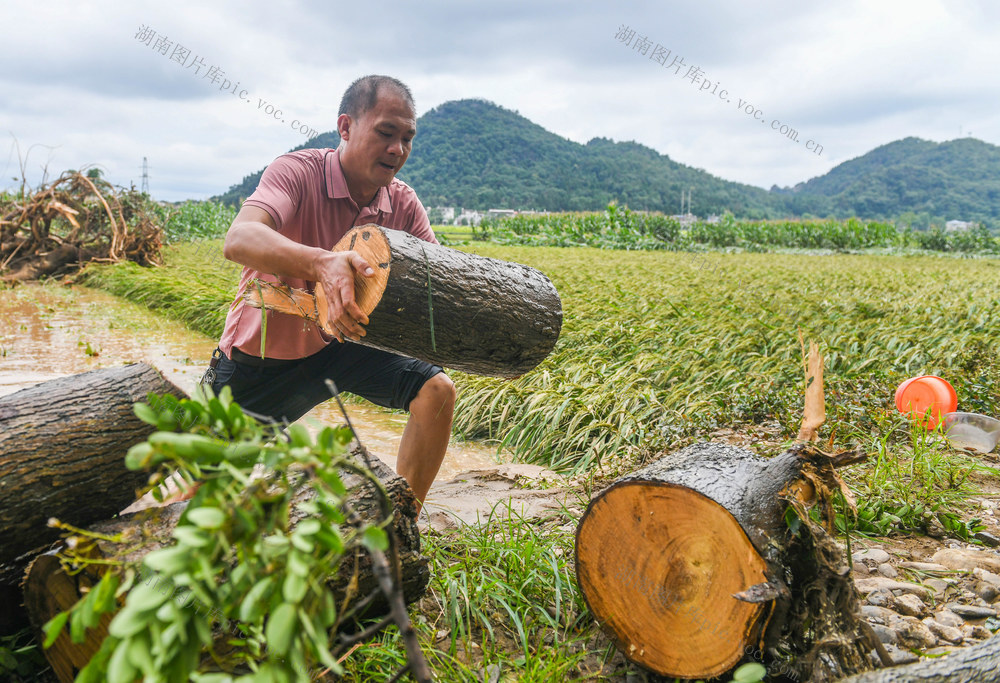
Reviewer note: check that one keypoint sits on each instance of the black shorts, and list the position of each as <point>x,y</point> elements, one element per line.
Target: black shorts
<point>287,390</point>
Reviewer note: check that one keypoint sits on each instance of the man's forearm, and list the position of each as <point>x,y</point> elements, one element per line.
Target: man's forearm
<point>262,248</point>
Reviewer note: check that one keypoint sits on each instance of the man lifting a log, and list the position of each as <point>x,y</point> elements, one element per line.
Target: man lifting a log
<point>305,202</point>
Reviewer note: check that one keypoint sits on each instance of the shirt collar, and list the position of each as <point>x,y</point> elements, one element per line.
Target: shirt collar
<point>336,185</point>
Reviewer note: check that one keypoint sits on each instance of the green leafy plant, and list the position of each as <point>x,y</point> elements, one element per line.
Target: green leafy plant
<point>241,590</point>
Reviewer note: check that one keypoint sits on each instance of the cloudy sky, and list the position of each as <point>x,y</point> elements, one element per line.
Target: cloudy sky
<point>81,85</point>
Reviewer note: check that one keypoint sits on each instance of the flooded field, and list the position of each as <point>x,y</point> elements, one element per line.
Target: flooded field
<point>50,331</point>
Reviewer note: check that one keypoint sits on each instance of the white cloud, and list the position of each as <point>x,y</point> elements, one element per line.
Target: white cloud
<point>850,76</point>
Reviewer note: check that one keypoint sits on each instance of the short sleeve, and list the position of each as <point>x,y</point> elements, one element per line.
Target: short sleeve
<point>280,189</point>
<point>420,224</point>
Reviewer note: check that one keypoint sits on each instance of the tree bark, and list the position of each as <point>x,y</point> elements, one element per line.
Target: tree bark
<point>48,590</point>
<point>690,566</point>
<point>62,455</point>
<point>441,305</point>
<point>977,664</point>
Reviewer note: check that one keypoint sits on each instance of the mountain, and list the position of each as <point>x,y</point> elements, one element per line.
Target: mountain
<point>958,179</point>
<point>478,155</point>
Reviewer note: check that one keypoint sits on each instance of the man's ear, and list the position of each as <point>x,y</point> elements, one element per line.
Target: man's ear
<point>344,123</point>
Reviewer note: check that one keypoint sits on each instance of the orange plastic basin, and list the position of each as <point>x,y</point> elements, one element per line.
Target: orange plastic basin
<point>926,399</point>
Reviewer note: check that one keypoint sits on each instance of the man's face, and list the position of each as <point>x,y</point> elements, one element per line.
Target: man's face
<point>377,143</point>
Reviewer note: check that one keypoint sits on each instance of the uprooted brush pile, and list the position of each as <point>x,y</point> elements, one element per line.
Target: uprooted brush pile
<point>73,220</point>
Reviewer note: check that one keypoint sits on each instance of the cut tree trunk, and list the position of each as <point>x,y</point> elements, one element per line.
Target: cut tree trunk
<point>690,566</point>
<point>62,454</point>
<point>441,305</point>
<point>977,664</point>
<point>48,590</point>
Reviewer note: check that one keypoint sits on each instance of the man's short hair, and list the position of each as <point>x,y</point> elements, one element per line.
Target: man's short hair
<point>362,94</point>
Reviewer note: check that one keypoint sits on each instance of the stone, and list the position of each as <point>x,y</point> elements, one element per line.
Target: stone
<point>978,632</point>
<point>971,612</point>
<point>987,539</point>
<point>874,555</point>
<point>987,576</point>
<point>885,634</point>
<point>924,566</point>
<point>949,618</point>
<point>859,568</point>
<point>939,585</point>
<point>949,633</point>
<point>898,656</point>
<point>874,583</point>
<point>887,570</point>
<point>879,615</point>
<point>915,634</point>
<point>987,591</point>
<point>881,598</point>
<point>910,605</point>
<point>967,560</point>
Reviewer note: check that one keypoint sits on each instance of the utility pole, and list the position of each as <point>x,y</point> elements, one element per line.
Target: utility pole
<point>145,176</point>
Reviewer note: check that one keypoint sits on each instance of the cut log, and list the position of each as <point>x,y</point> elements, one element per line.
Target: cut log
<point>977,664</point>
<point>62,455</point>
<point>49,590</point>
<point>690,565</point>
<point>441,305</point>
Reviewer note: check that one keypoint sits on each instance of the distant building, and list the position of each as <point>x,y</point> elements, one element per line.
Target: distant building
<point>468,218</point>
<point>685,219</point>
<point>501,213</point>
<point>958,226</point>
<point>447,213</point>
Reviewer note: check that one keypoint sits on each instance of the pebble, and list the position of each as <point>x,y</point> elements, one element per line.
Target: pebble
<point>885,634</point>
<point>881,597</point>
<point>898,656</point>
<point>910,605</point>
<point>988,539</point>
<point>987,576</point>
<point>987,591</point>
<point>859,568</point>
<point>939,585</point>
<point>924,566</point>
<point>887,570</point>
<point>879,615</point>
<point>915,634</point>
<point>949,618</point>
<point>967,560</point>
<point>949,633</point>
<point>971,611</point>
<point>876,582</point>
<point>979,632</point>
<point>876,555</point>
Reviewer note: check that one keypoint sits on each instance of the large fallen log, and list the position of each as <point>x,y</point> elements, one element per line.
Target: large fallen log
<point>62,455</point>
<point>441,305</point>
<point>48,590</point>
<point>977,664</point>
<point>708,556</point>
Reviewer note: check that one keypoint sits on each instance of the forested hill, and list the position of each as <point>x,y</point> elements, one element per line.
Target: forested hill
<point>477,155</point>
<point>958,179</point>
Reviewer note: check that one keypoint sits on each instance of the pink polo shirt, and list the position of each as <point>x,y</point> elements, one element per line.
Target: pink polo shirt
<point>306,194</point>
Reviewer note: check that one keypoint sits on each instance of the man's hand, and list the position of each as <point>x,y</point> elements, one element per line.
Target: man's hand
<point>335,271</point>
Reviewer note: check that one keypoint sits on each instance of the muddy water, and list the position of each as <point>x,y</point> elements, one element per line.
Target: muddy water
<point>52,331</point>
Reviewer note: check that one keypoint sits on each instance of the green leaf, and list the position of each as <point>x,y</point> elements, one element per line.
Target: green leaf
<point>145,413</point>
<point>188,536</point>
<point>254,601</point>
<point>281,628</point>
<point>294,588</point>
<point>206,517</point>
<point>375,539</point>
<point>120,670</point>
<point>749,673</point>
<point>167,560</point>
<point>53,628</point>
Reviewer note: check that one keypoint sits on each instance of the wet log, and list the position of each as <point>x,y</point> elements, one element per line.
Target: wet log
<point>977,664</point>
<point>48,590</point>
<point>693,564</point>
<point>447,307</point>
<point>62,454</point>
